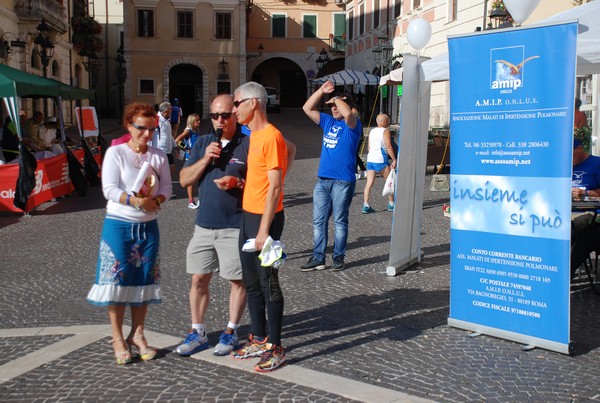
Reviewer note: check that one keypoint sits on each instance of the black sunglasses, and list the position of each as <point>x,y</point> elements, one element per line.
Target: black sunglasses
<point>224,115</point>
<point>241,101</point>
<point>143,128</point>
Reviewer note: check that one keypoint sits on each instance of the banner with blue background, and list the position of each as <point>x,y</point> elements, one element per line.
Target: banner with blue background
<point>511,107</point>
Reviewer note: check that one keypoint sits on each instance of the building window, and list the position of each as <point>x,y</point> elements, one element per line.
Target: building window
<point>185,24</point>
<point>350,25</point>
<point>55,68</point>
<point>397,8</point>
<point>452,10</point>
<point>35,60</point>
<point>361,19</point>
<point>146,86</point>
<point>376,14</point>
<point>223,25</point>
<point>278,26</point>
<point>416,4</point>
<point>309,26</point>
<point>145,21</point>
<point>339,32</point>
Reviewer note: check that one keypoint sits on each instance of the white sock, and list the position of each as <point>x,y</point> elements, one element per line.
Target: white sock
<point>366,205</point>
<point>199,328</point>
<point>232,325</point>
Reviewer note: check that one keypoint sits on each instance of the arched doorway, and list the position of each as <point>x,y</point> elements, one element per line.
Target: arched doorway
<point>286,76</point>
<point>185,84</point>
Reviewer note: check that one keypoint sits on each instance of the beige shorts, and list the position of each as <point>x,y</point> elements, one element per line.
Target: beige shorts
<point>212,250</point>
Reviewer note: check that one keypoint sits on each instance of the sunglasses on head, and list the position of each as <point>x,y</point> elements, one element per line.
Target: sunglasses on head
<point>143,128</point>
<point>224,115</point>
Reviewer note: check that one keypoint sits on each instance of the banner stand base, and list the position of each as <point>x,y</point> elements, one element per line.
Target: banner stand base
<point>395,270</point>
<point>529,341</point>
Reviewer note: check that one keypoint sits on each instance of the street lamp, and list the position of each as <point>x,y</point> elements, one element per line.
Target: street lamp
<point>382,53</point>
<point>223,70</point>
<point>44,46</point>
<point>121,77</point>
<point>323,59</point>
<point>91,64</point>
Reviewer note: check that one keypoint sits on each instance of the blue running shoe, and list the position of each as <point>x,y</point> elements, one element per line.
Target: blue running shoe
<point>367,210</point>
<point>227,343</point>
<point>193,344</point>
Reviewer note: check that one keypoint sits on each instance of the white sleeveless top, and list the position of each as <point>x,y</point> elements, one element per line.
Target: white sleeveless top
<point>376,146</point>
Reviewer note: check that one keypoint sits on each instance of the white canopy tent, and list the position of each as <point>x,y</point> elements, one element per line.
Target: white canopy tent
<point>588,43</point>
<point>349,77</point>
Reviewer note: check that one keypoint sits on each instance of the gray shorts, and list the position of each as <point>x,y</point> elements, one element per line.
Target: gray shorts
<point>212,250</point>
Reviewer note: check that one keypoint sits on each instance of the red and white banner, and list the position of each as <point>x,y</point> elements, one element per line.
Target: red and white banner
<point>51,181</point>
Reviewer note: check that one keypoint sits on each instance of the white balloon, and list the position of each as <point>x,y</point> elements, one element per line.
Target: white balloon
<point>418,33</point>
<point>520,10</point>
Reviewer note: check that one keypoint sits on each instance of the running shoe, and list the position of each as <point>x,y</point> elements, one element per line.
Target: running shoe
<point>227,342</point>
<point>193,344</point>
<point>313,264</point>
<point>252,348</point>
<point>390,207</point>
<point>338,263</point>
<point>271,359</point>
<point>367,210</point>
<point>193,205</point>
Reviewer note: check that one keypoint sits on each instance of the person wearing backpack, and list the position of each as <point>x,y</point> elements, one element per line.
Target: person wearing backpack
<point>176,115</point>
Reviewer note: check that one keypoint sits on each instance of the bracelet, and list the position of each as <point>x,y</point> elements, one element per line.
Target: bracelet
<point>127,200</point>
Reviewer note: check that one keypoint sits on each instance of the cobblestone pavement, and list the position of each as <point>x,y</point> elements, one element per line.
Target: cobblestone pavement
<point>359,325</point>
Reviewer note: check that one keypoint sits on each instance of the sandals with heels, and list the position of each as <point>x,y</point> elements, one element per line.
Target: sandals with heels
<point>122,357</point>
<point>146,353</point>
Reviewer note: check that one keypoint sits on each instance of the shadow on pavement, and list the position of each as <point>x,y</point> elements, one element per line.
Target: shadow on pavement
<point>369,315</point>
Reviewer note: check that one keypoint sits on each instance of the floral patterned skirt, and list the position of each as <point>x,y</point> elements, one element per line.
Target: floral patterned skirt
<point>128,264</point>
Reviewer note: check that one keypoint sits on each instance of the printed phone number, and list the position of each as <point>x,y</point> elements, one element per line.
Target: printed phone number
<point>507,144</point>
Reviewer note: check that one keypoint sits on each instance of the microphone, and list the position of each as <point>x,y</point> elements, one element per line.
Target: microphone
<point>219,134</point>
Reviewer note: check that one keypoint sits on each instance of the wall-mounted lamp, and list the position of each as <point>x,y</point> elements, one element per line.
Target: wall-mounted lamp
<point>90,60</point>
<point>260,49</point>
<point>43,44</point>
<point>8,48</point>
<point>323,59</point>
<point>223,70</point>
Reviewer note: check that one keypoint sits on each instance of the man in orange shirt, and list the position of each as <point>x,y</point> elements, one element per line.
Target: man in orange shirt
<point>262,217</point>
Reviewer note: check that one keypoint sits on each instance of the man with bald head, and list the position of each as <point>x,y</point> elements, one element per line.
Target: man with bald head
<point>217,164</point>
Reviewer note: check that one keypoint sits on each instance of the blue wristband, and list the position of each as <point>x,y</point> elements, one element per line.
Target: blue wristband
<point>127,200</point>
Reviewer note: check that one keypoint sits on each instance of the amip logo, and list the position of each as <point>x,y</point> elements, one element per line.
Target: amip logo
<point>507,68</point>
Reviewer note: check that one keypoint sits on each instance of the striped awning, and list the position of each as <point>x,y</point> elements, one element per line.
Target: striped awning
<point>349,77</point>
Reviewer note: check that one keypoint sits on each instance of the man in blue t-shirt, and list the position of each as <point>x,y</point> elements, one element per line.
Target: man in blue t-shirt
<point>336,178</point>
<point>586,172</point>
<point>219,170</point>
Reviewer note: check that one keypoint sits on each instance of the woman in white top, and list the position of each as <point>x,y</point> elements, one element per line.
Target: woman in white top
<point>135,180</point>
<point>380,146</point>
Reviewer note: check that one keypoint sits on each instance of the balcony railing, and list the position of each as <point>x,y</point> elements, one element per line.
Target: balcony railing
<point>53,11</point>
<point>337,43</point>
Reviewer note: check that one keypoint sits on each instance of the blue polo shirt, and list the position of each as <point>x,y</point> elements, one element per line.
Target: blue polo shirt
<point>338,152</point>
<point>587,173</point>
<point>220,208</point>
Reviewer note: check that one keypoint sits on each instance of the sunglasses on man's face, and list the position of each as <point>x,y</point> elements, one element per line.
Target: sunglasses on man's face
<point>241,101</point>
<point>216,116</point>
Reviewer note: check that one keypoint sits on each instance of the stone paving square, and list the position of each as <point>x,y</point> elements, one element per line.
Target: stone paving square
<point>358,324</point>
